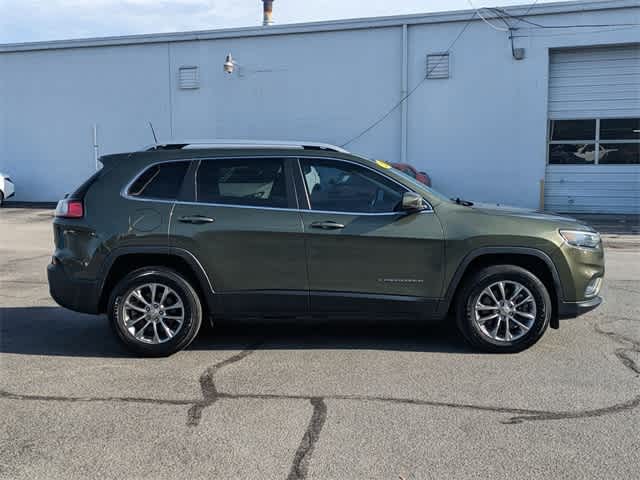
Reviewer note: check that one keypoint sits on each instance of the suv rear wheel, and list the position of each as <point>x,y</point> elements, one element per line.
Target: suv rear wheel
<point>503,308</point>
<point>155,311</point>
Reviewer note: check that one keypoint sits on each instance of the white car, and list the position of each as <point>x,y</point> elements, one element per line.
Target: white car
<point>7,188</point>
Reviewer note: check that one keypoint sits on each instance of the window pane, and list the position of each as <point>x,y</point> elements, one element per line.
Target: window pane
<point>409,172</point>
<point>257,181</point>
<point>337,186</point>
<point>619,153</point>
<point>161,181</point>
<point>573,130</point>
<point>620,129</point>
<point>572,154</point>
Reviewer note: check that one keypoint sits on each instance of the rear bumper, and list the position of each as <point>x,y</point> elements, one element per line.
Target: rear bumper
<point>77,295</point>
<point>573,310</point>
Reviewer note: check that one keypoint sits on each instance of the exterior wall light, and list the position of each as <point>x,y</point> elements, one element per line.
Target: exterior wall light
<point>229,64</point>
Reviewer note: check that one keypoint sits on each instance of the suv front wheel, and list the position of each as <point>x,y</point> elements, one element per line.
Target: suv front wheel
<point>503,309</point>
<point>155,311</point>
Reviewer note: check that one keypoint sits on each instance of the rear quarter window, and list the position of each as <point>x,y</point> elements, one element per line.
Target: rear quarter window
<point>161,181</point>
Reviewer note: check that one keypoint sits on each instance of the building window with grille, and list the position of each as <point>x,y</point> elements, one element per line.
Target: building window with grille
<point>606,141</point>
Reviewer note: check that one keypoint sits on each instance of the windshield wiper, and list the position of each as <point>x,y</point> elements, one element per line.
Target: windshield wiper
<point>466,203</point>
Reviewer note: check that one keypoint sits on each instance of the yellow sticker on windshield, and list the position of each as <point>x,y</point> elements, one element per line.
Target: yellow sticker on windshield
<point>383,164</point>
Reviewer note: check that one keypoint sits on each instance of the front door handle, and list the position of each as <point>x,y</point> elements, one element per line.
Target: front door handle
<point>327,225</point>
<point>196,219</point>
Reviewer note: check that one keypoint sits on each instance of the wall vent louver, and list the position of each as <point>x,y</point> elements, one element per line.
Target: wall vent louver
<point>188,78</point>
<point>438,65</point>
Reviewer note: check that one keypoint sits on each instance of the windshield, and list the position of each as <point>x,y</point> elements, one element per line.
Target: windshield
<point>420,185</point>
<point>412,181</point>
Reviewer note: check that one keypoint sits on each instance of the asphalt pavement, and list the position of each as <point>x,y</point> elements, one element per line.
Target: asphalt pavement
<point>311,400</point>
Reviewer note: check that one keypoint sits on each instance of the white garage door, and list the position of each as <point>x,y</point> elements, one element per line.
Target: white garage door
<point>594,131</point>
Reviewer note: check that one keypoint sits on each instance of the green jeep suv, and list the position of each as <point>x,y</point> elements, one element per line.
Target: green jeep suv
<point>163,238</point>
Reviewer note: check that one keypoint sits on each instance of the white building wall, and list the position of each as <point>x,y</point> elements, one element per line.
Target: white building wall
<point>480,134</point>
<point>53,99</point>
<point>317,86</point>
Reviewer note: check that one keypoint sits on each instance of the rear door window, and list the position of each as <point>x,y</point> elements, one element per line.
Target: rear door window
<point>161,181</point>
<point>259,182</point>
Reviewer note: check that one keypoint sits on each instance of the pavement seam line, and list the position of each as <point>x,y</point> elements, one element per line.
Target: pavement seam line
<point>525,414</point>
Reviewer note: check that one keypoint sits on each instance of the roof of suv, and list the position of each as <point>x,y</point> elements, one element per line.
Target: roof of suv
<point>242,144</point>
<point>190,149</point>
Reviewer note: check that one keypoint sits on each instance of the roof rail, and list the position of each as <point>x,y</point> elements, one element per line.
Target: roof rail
<point>230,143</point>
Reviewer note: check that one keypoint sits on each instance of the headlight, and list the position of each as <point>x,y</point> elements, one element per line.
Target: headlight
<point>580,238</point>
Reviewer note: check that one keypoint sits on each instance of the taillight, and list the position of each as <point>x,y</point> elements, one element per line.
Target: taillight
<point>70,208</point>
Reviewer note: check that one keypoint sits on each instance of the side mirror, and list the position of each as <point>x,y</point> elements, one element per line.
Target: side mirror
<point>412,202</point>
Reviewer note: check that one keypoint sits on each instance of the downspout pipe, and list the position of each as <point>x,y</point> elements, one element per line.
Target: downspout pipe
<point>403,93</point>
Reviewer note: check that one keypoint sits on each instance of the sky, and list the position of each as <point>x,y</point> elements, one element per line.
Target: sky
<point>40,20</point>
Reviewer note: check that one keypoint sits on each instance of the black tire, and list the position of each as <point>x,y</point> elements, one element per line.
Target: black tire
<point>1,199</point>
<point>165,276</point>
<point>470,293</point>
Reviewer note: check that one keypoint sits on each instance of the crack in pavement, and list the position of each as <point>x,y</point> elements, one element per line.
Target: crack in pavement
<point>519,414</point>
<point>4,394</point>
<point>522,414</point>
<point>302,457</point>
<point>599,412</point>
<point>629,345</point>
<point>209,391</point>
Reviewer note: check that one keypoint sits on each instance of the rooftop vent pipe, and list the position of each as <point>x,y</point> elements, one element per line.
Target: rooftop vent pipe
<point>268,12</point>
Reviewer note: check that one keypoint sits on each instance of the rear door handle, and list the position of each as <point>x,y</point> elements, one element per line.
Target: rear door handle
<point>327,225</point>
<point>196,219</point>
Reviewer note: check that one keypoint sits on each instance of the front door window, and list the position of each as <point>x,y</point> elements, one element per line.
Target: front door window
<point>338,186</point>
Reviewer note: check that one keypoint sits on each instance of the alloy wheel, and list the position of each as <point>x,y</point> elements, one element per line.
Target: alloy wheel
<point>153,313</point>
<point>505,311</point>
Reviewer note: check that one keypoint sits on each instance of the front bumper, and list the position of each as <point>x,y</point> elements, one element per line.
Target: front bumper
<point>77,295</point>
<point>573,310</point>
